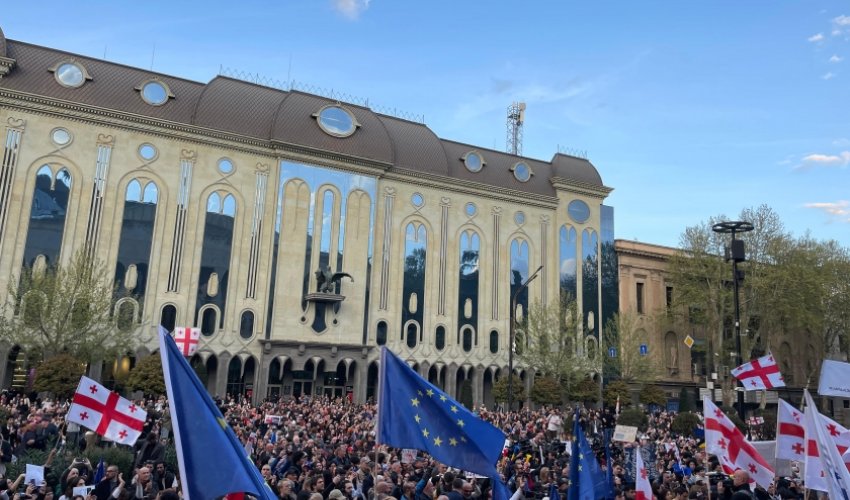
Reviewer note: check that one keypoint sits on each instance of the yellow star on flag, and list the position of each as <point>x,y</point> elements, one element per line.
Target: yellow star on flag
<point>454,409</point>
<point>460,422</point>
<point>453,441</point>
<point>425,432</point>
<point>417,418</point>
<point>429,392</point>
<point>579,467</point>
<point>443,398</point>
<point>414,402</point>
<point>463,439</point>
<point>438,441</point>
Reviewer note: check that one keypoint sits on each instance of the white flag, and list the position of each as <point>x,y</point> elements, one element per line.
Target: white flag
<point>105,412</point>
<point>836,475</point>
<point>834,379</point>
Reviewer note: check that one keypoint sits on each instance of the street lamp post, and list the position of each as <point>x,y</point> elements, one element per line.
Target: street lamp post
<point>512,335</point>
<point>735,253</point>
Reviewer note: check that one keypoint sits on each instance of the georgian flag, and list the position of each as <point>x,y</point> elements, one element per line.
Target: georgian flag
<point>724,440</point>
<point>790,433</point>
<point>187,338</point>
<point>838,437</point>
<point>105,412</point>
<point>835,475</point>
<point>759,374</point>
<point>643,489</point>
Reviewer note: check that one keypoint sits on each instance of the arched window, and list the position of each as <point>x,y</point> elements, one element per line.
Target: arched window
<point>468,279</point>
<point>136,240</point>
<point>590,277</point>
<point>466,336</point>
<point>568,264</point>
<point>381,333</point>
<point>411,335</point>
<point>440,338</point>
<point>125,315</point>
<point>208,318</point>
<point>47,216</point>
<point>415,259</point>
<point>494,341</point>
<point>168,317</point>
<point>671,354</point>
<point>215,255</point>
<point>246,324</point>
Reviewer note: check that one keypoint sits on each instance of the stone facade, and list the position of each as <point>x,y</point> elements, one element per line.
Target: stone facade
<point>215,204</point>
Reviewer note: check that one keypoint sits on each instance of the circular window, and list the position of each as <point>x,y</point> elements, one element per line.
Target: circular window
<point>225,166</point>
<point>147,151</point>
<point>471,209</point>
<point>155,93</point>
<point>519,218</point>
<point>473,161</point>
<point>522,172</point>
<point>61,136</point>
<point>70,75</point>
<point>417,200</point>
<point>578,211</point>
<point>336,121</point>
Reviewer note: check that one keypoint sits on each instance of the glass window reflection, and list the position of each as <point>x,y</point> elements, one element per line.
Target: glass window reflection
<point>568,243</point>
<point>590,277</point>
<point>415,254</point>
<point>151,193</point>
<point>47,216</point>
<point>134,191</point>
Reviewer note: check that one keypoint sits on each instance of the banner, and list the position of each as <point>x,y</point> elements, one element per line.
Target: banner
<point>834,379</point>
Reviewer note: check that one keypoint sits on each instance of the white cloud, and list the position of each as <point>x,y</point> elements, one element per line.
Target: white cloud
<point>839,210</point>
<point>841,142</point>
<point>836,32</point>
<point>816,38</point>
<point>842,159</point>
<point>835,59</point>
<point>828,76</point>
<point>351,8</point>
<point>842,21</point>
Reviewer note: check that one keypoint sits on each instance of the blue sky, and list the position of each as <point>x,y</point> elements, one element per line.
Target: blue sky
<point>689,109</point>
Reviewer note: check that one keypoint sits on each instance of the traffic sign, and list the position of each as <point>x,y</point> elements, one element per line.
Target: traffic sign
<point>689,341</point>
<point>612,352</point>
<point>644,350</point>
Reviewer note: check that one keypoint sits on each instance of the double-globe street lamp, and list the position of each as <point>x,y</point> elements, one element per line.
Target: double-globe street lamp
<point>512,336</point>
<point>735,253</point>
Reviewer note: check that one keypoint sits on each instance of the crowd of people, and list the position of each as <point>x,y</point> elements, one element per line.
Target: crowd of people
<point>322,449</point>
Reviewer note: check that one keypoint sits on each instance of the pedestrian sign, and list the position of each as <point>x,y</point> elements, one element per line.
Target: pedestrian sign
<point>612,352</point>
<point>644,350</point>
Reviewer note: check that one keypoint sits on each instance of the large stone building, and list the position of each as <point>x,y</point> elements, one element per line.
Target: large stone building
<point>216,203</point>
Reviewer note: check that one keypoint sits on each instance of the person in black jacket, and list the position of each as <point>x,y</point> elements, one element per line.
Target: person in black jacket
<point>106,487</point>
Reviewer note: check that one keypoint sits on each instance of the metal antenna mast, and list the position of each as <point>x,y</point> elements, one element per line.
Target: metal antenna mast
<point>516,117</point>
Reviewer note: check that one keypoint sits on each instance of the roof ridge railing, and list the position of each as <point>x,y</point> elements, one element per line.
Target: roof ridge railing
<point>578,153</point>
<point>336,95</point>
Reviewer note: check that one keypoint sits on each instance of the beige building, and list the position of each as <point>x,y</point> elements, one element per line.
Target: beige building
<point>216,204</point>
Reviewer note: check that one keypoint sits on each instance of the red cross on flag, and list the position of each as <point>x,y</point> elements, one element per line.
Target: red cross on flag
<point>727,442</point>
<point>759,374</point>
<point>837,434</point>
<point>821,432</point>
<point>105,412</point>
<point>790,433</point>
<point>643,489</point>
<point>186,338</point>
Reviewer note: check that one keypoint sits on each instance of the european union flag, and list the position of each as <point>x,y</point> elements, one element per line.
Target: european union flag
<point>415,414</point>
<point>212,460</point>
<point>587,482</point>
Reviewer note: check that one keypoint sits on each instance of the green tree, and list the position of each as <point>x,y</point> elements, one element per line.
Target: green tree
<point>634,417</point>
<point>65,310</point>
<point>685,422</point>
<point>546,391</point>
<point>500,390</point>
<point>59,375</point>
<point>617,389</point>
<point>147,377</point>
<point>547,341</point>
<point>623,334</point>
<point>651,394</point>
<point>586,391</point>
<point>686,400</point>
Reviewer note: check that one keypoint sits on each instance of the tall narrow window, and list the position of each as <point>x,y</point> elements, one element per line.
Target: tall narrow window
<point>168,317</point>
<point>470,246</point>
<point>215,255</point>
<point>47,216</point>
<point>519,273</point>
<point>134,244</point>
<point>415,253</point>
<point>381,333</point>
<point>590,280</point>
<point>668,296</point>
<point>440,338</point>
<point>568,263</point>
<point>494,341</point>
<point>639,297</point>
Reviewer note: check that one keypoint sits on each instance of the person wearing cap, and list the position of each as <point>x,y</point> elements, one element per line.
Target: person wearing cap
<point>336,494</point>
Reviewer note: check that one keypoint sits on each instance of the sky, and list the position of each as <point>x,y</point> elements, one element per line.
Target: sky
<point>688,109</point>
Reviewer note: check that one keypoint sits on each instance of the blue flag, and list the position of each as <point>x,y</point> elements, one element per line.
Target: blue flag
<point>610,491</point>
<point>587,482</point>
<point>212,460</point>
<point>100,472</point>
<point>412,413</point>
<point>553,492</point>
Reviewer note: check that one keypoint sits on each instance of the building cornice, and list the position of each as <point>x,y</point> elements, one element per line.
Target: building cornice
<point>6,65</point>
<point>580,188</point>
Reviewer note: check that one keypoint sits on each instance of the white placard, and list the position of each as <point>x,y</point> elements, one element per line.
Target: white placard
<point>83,490</point>
<point>34,474</point>
<point>625,433</point>
<point>408,455</point>
<point>834,379</point>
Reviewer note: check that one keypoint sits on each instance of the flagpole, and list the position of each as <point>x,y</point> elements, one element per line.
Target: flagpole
<point>172,410</point>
